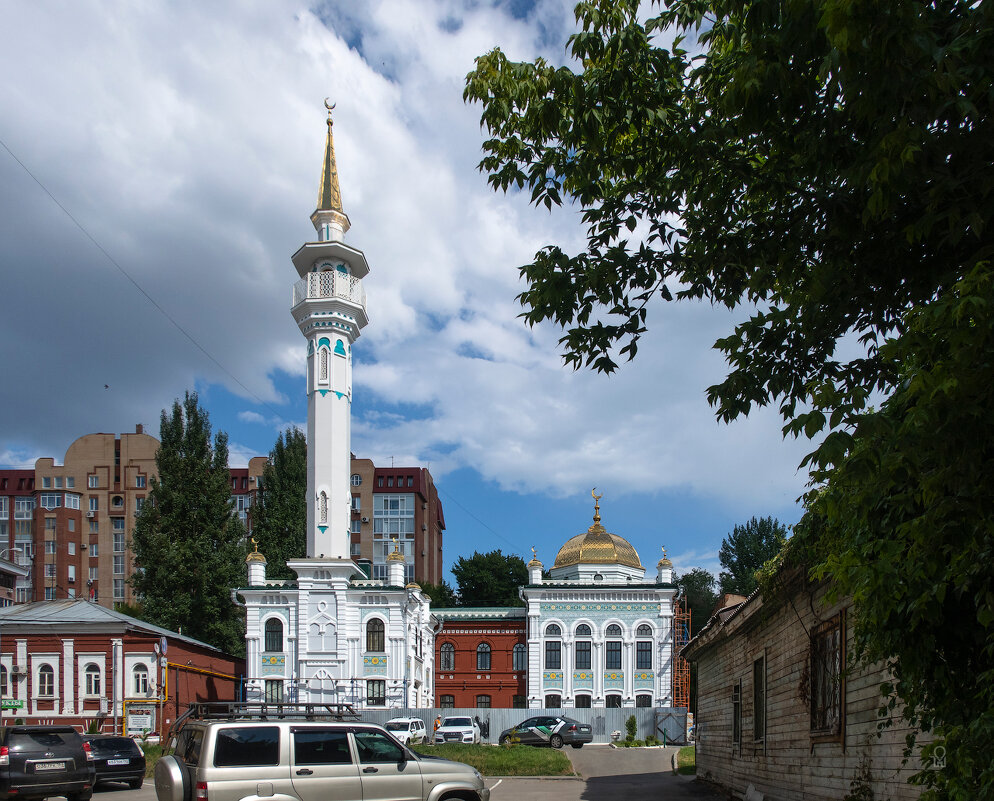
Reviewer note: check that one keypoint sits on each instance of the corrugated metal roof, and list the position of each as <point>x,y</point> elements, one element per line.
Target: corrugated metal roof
<point>79,612</point>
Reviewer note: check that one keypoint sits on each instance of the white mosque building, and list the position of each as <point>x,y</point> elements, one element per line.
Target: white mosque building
<point>334,636</point>
<point>597,633</point>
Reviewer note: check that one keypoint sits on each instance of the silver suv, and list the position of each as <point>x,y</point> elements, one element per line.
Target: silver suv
<point>286,755</point>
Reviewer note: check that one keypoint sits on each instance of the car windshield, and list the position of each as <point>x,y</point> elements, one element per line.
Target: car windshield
<point>397,725</point>
<point>457,722</point>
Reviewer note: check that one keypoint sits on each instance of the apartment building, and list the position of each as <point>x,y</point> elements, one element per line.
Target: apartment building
<point>402,504</point>
<point>70,524</point>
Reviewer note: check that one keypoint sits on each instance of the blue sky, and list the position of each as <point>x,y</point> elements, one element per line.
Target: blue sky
<point>186,138</point>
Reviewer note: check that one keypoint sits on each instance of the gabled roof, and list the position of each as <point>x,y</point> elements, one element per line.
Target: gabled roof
<point>75,613</point>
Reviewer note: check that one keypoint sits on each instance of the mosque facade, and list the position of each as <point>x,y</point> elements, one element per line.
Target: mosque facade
<point>334,635</point>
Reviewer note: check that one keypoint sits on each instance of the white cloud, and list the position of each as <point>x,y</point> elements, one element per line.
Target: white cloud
<point>189,148</point>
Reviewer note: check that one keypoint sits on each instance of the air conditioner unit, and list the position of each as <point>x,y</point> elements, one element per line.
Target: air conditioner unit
<point>365,520</point>
<point>19,670</point>
<point>91,514</point>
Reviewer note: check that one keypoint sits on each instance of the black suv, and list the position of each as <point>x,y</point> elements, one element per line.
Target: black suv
<point>41,761</point>
<point>117,759</point>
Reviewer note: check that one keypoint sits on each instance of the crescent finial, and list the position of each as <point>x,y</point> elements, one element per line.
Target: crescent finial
<point>331,107</point>
<point>594,495</point>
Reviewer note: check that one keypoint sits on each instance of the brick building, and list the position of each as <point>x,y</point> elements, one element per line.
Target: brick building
<point>73,662</point>
<point>481,658</point>
<point>401,503</point>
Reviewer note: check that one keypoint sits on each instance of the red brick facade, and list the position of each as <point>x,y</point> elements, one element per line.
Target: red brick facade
<point>82,669</point>
<point>478,638</point>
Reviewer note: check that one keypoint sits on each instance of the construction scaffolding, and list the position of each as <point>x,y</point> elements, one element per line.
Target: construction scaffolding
<point>681,667</point>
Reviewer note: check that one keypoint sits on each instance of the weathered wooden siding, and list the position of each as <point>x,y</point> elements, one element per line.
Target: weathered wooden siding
<point>788,764</point>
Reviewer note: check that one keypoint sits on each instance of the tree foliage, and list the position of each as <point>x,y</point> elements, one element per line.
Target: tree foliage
<point>745,550</point>
<point>187,540</point>
<point>279,517</point>
<point>442,595</point>
<point>490,579</point>
<point>698,590</point>
<point>826,168</point>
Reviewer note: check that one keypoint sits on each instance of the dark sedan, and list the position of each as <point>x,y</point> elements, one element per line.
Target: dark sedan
<point>545,730</point>
<point>117,759</point>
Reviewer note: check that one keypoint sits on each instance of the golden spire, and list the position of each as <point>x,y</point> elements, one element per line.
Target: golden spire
<point>665,561</point>
<point>254,555</point>
<point>597,504</point>
<point>395,554</point>
<point>329,195</point>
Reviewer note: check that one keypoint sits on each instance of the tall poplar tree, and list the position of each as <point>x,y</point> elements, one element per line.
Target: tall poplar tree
<point>279,517</point>
<point>187,541</point>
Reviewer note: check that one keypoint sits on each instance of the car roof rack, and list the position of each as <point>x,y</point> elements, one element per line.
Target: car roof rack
<point>256,710</point>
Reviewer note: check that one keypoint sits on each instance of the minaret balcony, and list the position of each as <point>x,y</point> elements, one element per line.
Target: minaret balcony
<point>329,285</point>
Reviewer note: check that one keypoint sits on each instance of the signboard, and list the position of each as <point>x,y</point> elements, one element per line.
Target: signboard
<point>11,703</point>
<point>141,719</point>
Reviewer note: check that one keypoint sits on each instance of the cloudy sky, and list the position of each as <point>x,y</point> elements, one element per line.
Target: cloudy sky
<point>159,163</point>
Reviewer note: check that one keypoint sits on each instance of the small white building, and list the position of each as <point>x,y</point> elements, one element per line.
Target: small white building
<point>334,636</point>
<point>599,634</point>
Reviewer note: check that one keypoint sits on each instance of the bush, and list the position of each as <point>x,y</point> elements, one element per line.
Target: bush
<point>632,727</point>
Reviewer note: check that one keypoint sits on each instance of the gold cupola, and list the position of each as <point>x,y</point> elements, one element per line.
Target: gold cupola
<point>597,547</point>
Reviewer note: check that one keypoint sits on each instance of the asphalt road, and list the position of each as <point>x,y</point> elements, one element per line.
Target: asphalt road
<point>605,774</point>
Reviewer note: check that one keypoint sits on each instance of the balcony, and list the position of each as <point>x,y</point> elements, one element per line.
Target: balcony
<point>326,285</point>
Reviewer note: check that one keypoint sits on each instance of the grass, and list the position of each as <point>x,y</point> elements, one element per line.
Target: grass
<point>152,753</point>
<point>686,761</point>
<point>517,760</point>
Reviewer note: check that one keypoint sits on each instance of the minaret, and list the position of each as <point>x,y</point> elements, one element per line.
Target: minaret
<point>329,306</point>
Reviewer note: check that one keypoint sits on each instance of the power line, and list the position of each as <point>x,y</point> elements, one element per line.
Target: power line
<point>138,286</point>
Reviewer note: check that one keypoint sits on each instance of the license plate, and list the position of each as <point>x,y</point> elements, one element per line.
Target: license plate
<point>118,761</point>
<point>584,728</point>
<point>49,766</point>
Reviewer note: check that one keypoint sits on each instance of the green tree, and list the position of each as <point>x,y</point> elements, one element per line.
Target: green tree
<point>187,541</point>
<point>699,593</point>
<point>825,168</point>
<point>442,595</point>
<point>746,550</point>
<point>279,517</point>
<point>490,579</point>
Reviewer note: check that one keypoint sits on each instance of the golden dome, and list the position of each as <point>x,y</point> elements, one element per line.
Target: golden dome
<point>597,547</point>
<point>665,561</point>
<point>254,555</point>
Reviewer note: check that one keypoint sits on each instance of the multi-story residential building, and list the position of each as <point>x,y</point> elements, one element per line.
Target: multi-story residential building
<point>402,504</point>
<point>71,524</point>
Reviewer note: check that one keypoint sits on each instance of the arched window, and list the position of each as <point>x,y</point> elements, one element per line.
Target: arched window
<point>612,654</point>
<point>612,701</point>
<point>643,648</point>
<point>323,507</point>
<point>583,630</point>
<point>553,701</point>
<point>447,702</point>
<point>643,631</point>
<point>323,369</point>
<point>3,682</point>
<point>375,640</point>
<point>274,635</point>
<point>582,702</point>
<point>46,681</point>
<point>448,654</point>
<point>139,680</point>
<point>483,701</point>
<point>552,630</point>
<point>519,658</point>
<point>91,677</point>
<point>483,656</point>
<point>643,700</point>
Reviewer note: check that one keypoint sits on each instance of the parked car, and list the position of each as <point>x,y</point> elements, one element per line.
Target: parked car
<point>295,757</point>
<point>545,730</point>
<point>458,730</point>
<point>117,759</point>
<point>41,761</point>
<point>408,730</point>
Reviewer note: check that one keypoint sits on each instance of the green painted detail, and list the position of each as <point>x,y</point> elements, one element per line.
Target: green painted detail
<point>324,341</point>
<point>323,392</point>
<point>340,394</point>
<point>340,348</point>
<point>323,529</point>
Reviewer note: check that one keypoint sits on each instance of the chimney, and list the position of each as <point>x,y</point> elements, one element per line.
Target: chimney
<point>139,429</point>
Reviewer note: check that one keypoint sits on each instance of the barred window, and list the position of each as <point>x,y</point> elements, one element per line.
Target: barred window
<point>483,656</point>
<point>448,656</point>
<point>826,679</point>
